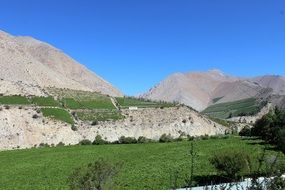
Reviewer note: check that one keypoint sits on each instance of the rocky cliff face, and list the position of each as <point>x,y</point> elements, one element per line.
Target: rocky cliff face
<point>35,63</point>
<point>18,128</point>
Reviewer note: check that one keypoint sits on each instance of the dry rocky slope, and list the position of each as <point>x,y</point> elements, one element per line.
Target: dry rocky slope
<point>18,128</point>
<point>38,65</point>
<point>202,89</point>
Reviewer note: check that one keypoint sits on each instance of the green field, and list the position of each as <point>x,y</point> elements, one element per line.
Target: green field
<point>45,101</point>
<point>99,115</point>
<point>126,102</point>
<point>87,104</point>
<point>58,114</point>
<point>232,109</point>
<point>146,166</point>
<point>14,100</point>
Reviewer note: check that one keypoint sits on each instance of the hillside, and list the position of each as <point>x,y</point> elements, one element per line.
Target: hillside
<point>203,89</point>
<point>28,62</point>
<point>69,116</point>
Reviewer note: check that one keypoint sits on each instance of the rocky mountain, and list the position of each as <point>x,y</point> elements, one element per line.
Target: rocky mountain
<point>202,89</point>
<point>38,64</point>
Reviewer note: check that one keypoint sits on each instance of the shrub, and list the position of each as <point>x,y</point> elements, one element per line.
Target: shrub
<point>94,123</point>
<point>230,162</point>
<point>60,144</point>
<point>99,141</point>
<point>165,138</point>
<point>73,127</point>
<point>142,139</point>
<point>35,116</point>
<point>204,137</point>
<point>127,140</point>
<point>96,176</point>
<point>85,142</point>
<point>190,138</point>
<point>7,107</point>
<point>246,131</point>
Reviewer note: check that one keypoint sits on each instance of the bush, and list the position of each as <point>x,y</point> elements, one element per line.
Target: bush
<point>7,107</point>
<point>96,176</point>
<point>165,138</point>
<point>204,137</point>
<point>73,128</point>
<point>85,142</point>
<point>60,144</point>
<point>35,116</point>
<point>230,162</point>
<point>99,141</point>
<point>142,139</point>
<point>246,131</point>
<point>127,140</point>
<point>190,138</point>
<point>94,123</point>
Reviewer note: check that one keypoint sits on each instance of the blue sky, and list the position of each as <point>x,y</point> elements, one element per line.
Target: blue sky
<point>134,44</point>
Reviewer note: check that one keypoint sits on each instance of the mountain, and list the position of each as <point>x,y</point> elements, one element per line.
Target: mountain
<point>202,89</point>
<point>35,63</point>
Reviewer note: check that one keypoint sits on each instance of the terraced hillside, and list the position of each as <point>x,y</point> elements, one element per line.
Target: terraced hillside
<point>245,107</point>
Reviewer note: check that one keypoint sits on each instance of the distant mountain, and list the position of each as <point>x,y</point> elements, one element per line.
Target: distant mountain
<point>29,61</point>
<point>202,89</point>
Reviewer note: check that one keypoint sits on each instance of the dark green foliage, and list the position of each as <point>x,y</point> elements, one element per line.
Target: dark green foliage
<point>271,128</point>
<point>60,144</point>
<point>73,127</point>
<point>127,140</point>
<point>35,116</point>
<point>165,138</point>
<point>96,176</point>
<point>142,139</point>
<point>230,163</point>
<point>99,140</point>
<point>94,123</point>
<point>85,142</point>
<point>246,131</point>
<point>190,138</point>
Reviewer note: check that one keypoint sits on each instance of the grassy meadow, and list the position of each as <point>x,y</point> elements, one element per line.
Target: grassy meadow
<point>145,166</point>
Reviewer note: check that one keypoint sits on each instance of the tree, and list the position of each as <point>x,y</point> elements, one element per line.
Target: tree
<point>230,162</point>
<point>96,176</point>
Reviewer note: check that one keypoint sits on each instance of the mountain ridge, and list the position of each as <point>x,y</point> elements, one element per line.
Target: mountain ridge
<point>46,66</point>
<point>199,89</point>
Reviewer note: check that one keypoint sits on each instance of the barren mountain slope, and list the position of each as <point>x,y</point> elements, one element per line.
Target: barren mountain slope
<point>193,89</point>
<point>202,89</point>
<point>277,83</point>
<point>238,90</point>
<point>33,62</point>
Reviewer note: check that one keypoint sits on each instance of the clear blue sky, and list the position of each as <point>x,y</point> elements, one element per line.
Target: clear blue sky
<point>136,43</point>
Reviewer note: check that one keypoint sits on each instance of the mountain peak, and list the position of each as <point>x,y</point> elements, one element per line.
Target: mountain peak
<point>216,72</point>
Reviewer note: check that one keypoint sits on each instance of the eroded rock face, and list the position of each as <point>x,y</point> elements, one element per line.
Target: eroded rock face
<point>19,129</point>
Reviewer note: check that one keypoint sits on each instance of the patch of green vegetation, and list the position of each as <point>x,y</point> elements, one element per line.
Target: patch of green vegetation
<point>215,100</point>
<point>145,166</point>
<point>243,107</point>
<point>99,115</point>
<point>88,104</point>
<point>14,100</point>
<point>125,102</point>
<point>45,101</point>
<point>58,114</point>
